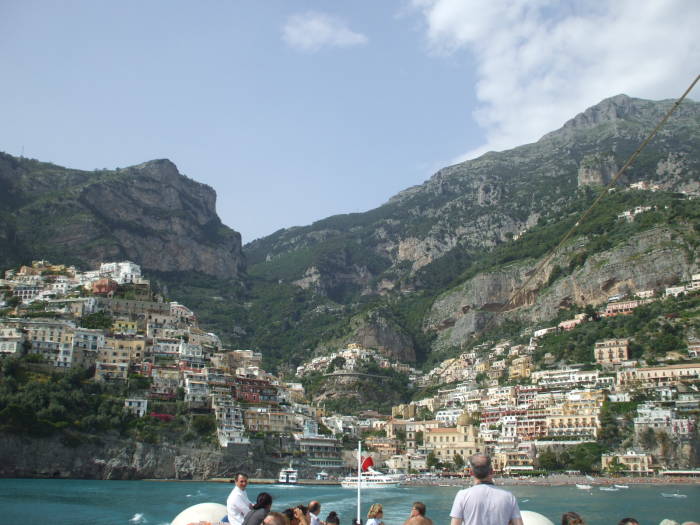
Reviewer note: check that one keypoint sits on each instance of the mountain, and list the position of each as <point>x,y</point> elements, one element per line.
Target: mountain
<point>417,278</point>
<point>149,213</point>
<point>480,203</point>
<point>385,275</point>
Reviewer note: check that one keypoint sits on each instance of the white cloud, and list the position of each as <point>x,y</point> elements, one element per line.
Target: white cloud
<point>540,62</point>
<point>312,31</point>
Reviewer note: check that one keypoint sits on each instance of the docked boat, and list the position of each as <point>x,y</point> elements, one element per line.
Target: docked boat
<point>288,476</point>
<point>622,486</point>
<point>372,479</point>
<point>583,486</point>
<point>322,476</point>
<point>675,495</point>
<point>609,489</point>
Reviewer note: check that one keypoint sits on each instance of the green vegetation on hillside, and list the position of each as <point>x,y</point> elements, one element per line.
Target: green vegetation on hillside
<point>34,403</point>
<point>654,330</point>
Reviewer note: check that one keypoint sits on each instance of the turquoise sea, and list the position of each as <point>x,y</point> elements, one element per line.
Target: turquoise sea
<point>79,502</point>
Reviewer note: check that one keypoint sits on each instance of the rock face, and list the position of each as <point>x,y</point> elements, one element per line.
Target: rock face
<point>374,330</point>
<point>482,202</point>
<point>650,260</point>
<point>597,170</point>
<point>150,214</point>
<point>417,245</point>
<point>121,459</point>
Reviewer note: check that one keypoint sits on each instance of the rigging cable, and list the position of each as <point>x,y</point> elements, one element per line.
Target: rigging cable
<point>586,213</point>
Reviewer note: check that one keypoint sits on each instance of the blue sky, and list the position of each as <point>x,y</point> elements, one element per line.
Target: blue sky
<point>296,110</point>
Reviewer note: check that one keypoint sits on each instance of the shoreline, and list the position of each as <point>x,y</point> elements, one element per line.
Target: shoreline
<point>549,481</point>
<point>562,481</point>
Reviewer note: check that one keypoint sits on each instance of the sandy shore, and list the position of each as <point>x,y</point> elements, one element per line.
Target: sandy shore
<point>559,480</point>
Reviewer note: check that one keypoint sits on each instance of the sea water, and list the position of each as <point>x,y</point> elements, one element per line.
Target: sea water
<point>80,502</point>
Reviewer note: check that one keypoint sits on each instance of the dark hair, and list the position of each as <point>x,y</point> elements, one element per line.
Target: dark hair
<point>628,521</point>
<point>303,509</point>
<point>571,518</point>
<point>264,500</point>
<point>314,506</point>
<point>333,518</point>
<point>239,474</point>
<point>481,466</point>
<point>289,513</point>
<point>420,507</point>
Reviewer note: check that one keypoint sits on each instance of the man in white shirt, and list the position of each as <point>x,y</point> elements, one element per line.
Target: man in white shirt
<point>314,511</point>
<point>484,504</point>
<point>238,504</point>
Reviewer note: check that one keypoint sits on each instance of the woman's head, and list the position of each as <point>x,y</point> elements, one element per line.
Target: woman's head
<point>375,510</point>
<point>571,518</point>
<point>332,519</point>
<point>264,501</point>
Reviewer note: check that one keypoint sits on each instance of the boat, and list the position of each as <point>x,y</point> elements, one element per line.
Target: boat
<point>609,489</point>
<point>674,495</point>
<point>372,479</point>
<point>622,486</point>
<point>288,476</point>
<point>583,486</point>
<point>322,476</point>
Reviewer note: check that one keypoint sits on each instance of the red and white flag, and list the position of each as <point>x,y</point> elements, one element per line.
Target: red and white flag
<point>366,463</point>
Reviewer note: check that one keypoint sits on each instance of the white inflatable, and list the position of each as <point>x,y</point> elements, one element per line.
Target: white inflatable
<point>530,518</point>
<point>207,512</point>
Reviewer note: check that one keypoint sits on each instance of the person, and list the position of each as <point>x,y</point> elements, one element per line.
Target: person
<point>484,504</point>
<point>275,518</point>
<point>375,515</point>
<point>332,518</point>
<point>314,511</point>
<point>571,518</point>
<point>262,507</point>
<point>296,515</point>
<point>417,516</point>
<point>628,521</point>
<point>237,503</point>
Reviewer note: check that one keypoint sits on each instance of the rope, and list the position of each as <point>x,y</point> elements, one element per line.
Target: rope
<point>586,213</point>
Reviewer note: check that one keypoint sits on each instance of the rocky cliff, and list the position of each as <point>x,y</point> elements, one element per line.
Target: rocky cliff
<point>650,260</point>
<point>149,213</point>
<point>110,457</point>
<point>480,203</point>
<point>418,245</point>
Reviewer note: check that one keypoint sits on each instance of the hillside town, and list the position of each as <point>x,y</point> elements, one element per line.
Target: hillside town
<point>491,398</point>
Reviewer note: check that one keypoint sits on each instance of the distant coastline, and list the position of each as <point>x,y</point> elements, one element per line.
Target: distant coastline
<point>555,480</point>
<point>558,480</point>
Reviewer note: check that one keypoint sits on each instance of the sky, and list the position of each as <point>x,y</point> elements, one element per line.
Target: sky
<point>297,110</point>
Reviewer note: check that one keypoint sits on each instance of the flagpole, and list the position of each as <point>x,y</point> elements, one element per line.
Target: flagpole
<point>359,478</point>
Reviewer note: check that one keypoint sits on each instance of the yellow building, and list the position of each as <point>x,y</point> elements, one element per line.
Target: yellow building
<point>483,366</point>
<point>462,439</point>
<point>122,350</point>
<point>520,368</point>
<point>659,375</point>
<point>577,416</point>
<point>264,420</point>
<point>407,411</point>
<point>611,351</point>
<point>124,326</point>
<point>632,462</point>
<point>512,461</point>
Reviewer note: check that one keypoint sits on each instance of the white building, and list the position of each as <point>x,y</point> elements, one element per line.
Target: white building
<point>229,421</point>
<point>136,406</point>
<point>125,272</point>
<point>448,416</point>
